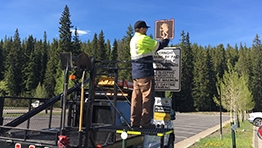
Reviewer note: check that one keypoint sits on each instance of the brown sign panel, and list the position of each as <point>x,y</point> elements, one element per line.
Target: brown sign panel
<point>164,28</point>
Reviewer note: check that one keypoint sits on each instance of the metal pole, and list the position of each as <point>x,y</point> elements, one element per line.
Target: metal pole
<point>124,140</point>
<point>2,101</point>
<point>81,103</point>
<point>28,121</point>
<point>64,101</point>
<point>115,94</point>
<point>29,109</point>
<point>233,135</point>
<point>50,116</point>
<point>89,104</point>
<point>220,109</point>
<point>80,130</point>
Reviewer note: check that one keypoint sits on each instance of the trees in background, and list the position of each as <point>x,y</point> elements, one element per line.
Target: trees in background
<point>65,36</point>
<point>234,93</point>
<point>1,60</point>
<point>203,80</point>
<point>124,54</point>
<point>51,67</point>
<point>184,97</point>
<point>30,66</point>
<point>256,75</point>
<point>14,65</point>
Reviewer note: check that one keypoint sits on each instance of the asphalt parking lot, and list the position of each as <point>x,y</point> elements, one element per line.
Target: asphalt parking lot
<point>189,124</point>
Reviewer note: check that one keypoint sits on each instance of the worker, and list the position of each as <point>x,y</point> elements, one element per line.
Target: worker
<point>142,48</point>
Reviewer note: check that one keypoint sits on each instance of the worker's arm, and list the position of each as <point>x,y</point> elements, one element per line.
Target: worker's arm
<point>153,45</point>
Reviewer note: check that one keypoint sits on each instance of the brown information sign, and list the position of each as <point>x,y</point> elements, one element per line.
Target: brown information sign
<point>167,65</point>
<point>164,29</point>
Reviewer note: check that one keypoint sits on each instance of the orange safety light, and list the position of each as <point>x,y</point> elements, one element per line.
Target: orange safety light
<point>31,146</point>
<point>17,145</point>
<point>72,77</point>
<point>98,146</point>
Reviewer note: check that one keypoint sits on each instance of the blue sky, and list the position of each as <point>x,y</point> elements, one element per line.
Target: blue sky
<point>209,22</point>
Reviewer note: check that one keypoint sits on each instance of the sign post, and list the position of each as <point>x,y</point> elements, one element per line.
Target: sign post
<point>167,65</point>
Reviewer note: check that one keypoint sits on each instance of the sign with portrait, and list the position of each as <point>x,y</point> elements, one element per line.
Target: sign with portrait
<point>164,29</point>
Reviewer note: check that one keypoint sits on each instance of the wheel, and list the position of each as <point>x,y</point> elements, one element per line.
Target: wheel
<point>171,141</point>
<point>257,122</point>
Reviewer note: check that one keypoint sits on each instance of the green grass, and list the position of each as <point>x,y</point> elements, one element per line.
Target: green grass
<point>244,136</point>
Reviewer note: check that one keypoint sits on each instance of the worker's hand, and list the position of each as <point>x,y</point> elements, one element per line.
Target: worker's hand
<point>164,39</point>
<point>165,36</point>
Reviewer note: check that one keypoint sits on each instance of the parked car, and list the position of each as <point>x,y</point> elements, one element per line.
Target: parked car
<point>255,118</point>
<point>36,104</point>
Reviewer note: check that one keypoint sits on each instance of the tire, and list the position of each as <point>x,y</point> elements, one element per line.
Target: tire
<point>257,122</point>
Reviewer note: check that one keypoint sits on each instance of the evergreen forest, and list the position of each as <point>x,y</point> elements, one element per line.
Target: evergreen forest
<point>30,67</point>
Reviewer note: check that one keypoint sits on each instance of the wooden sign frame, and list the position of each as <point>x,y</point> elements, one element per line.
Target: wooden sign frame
<point>164,28</point>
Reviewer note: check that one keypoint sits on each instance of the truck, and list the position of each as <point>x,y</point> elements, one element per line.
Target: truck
<point>93,113</point>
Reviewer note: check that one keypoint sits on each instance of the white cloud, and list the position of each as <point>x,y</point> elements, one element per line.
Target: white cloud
<point>81,32</point>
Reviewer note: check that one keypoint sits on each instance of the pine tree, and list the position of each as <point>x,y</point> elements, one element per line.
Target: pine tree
<point>256,83</point>
<point>124,55</point>
<point>94,46</point>
<point>218,59</point>
<point>108,49</point>
<point>44,59</point>
<point>65,31</point>
<point>184,100</point>
<point>60,80</point>
<point>101,54</point>
<point>101,50</point>
<point>13,65</point>
<point>76,44</point>
<point>244,64</point>
<point>3,88</point>
<point>114,55</point>
<point>87,47</point>
<point>201,82</point>
<point>7,45</point>
<point>10,80</point>
<point>52,65</point>
<point>38,54</point>
<point>212,91</point>
<point>40,91</point>
<point>65,43</point>
<point>1,60</point>
<point>231,54</point>
<point>30,68</point>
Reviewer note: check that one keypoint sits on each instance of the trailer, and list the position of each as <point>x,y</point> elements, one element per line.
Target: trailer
<point>93,113</point>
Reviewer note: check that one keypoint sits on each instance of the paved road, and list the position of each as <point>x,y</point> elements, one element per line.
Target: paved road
<point>189,124</point>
